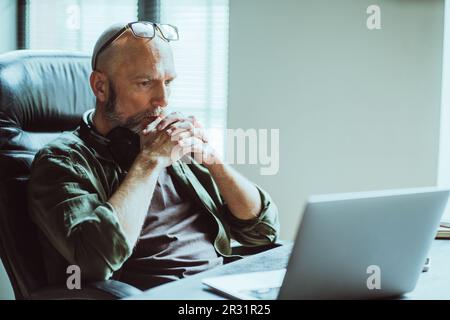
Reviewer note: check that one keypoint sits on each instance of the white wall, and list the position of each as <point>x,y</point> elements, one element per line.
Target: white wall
<point>357,109</point>
<point>8,14</point>
<point>444,138</point>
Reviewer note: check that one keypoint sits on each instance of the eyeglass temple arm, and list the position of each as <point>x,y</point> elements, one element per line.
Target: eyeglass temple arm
<point>109,42</point>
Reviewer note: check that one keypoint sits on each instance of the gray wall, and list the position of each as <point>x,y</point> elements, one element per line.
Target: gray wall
<point>357,109</point>
<point>8,13</point>
<point>7,43</point>
<point>6,291</point>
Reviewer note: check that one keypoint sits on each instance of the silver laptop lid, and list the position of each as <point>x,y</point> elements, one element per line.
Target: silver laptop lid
<point>363,245</point>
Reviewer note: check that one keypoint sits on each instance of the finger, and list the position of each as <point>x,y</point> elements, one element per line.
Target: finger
<point>180,126</point>
<point>196,148</point>
<point>196,132</point>
<point>195,122</point>
<point>152,125</point>
<point>188,148</point>
<point>191,142</point>
<point>200,133</point>
<point>171,118</point>
<point>176,129</point>
<point>181,135</point>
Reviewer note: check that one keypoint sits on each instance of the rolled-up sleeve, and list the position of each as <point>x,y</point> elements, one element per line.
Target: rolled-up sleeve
<point>260,230</point>
<point>82,227</point>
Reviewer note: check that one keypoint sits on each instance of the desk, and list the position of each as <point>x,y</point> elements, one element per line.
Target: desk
<point>434,284</point>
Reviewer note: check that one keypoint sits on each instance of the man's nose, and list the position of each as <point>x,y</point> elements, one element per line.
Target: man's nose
<point>160,96</point>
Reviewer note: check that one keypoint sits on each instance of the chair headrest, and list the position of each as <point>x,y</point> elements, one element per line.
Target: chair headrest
<point>42,93</point>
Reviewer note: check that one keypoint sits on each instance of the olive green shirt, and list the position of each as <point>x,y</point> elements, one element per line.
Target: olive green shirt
<point>71,182</point>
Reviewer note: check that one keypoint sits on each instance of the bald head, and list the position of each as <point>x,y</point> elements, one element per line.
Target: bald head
<point>131,77</point>
<point>105,37</point>
<point>128,50</point>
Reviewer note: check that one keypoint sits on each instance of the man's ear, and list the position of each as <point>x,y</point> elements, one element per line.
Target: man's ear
<point>99,85</point>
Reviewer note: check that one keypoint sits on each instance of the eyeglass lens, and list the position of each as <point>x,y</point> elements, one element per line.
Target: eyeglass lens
<point>148,31</point>
<point>143,30</point>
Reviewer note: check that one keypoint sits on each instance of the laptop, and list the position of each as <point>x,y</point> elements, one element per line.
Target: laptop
<point>363,245</point>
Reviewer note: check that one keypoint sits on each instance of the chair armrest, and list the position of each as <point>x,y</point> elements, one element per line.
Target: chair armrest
<point>100,290</point>
<point>238,249</point>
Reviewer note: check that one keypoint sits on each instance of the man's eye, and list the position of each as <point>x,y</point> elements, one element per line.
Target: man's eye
<point>167,82</point>
<point>145,83</point>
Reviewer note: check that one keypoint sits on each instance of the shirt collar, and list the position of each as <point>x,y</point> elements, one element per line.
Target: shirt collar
<point>97,142</point>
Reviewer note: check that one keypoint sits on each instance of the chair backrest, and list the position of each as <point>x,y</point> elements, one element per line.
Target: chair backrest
<point>42,93</point>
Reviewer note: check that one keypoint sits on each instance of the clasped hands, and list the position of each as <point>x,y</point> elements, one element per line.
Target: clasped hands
<point>168,138</point>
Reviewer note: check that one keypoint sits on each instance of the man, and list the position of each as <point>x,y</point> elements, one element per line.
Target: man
<point>138,213</point>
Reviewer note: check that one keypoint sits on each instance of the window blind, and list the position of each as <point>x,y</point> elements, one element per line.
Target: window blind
<point>201,62</point>
<point>74,24</point>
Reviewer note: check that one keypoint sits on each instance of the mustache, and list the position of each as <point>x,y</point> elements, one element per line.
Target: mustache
<point>139,121</point>
<point>151,116</point>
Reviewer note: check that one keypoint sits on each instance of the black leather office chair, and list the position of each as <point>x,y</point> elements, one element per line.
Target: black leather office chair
<point>42,93</point>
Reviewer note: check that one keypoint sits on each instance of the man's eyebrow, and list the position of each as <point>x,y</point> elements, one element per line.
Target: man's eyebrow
<point>150,77</point>
<point>144,76</point>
